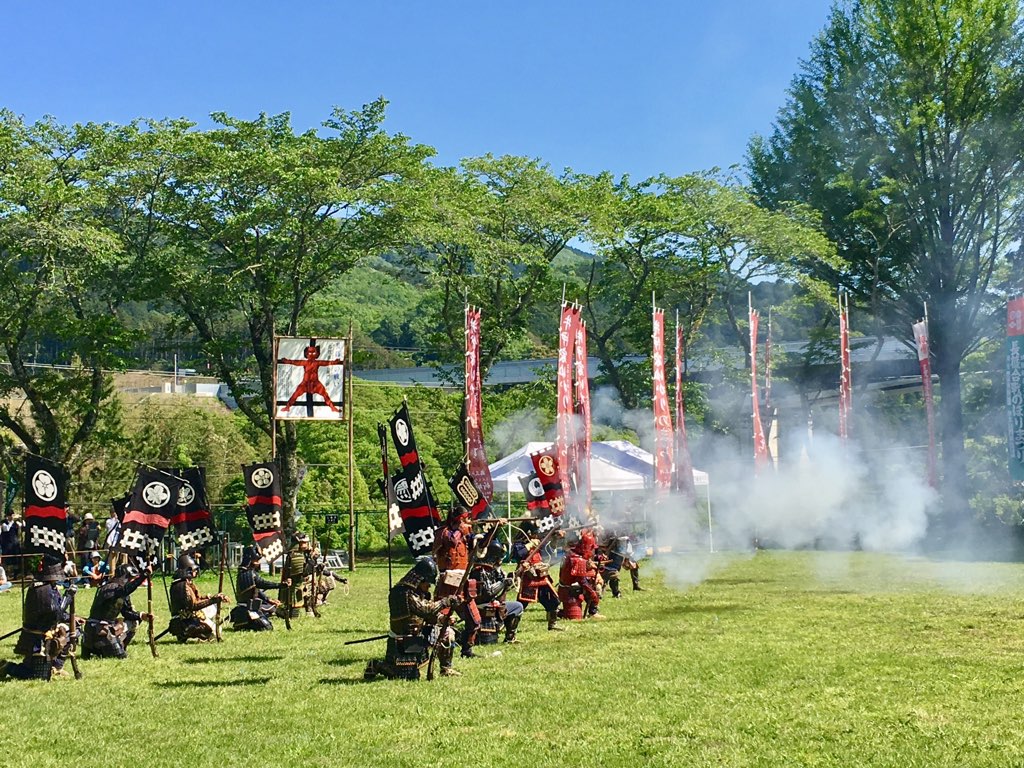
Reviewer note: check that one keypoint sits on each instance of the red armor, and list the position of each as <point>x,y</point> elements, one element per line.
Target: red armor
<point>533,578</point>
<point>452,550</point>
<point>574,586</point>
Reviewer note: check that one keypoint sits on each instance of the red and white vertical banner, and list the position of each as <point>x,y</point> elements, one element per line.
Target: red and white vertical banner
<point>845,370</point>
<point>564,418</point>
<point>768,366</point>
<point>921,337</point>
<point>582,452</point>
<point>662,416</point>
<point>760,443</point>
<point>476,454</point>
<point>682,477</point>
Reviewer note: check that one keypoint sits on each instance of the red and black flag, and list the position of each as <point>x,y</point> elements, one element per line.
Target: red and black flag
<point>468,495</point>
<point>537,503</point>
<point>263,498</point>
<point>545,464</point>
<point>401,435</point>
<point>193,524</point>
<point>415,505</point>
<point>45,511</point>
<point>152,504</point>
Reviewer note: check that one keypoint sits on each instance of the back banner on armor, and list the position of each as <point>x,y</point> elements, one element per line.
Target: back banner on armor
<point>193,525</point>
<point>545,464</point>
<point>416,507</point>
<point>45,512</point>
<point>263,497</point>
<point>153,501</point>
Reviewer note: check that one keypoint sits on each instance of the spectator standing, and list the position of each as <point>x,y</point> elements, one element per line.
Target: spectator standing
<point>88,537</point>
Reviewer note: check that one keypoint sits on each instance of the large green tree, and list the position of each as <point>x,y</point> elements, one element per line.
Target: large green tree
<point>904,128</point>
<point>497,225</point>
<point>241,225</point>
<point>62,275</point>
<point>696,242</point>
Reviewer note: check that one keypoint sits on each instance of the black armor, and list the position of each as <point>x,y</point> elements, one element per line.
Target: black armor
<point>414,626</point>
<point>112,619</point>
<point>254,608</point>
<point>495,611</point>
<point>44,641</point>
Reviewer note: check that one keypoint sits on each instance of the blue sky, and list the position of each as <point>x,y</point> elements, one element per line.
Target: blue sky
<point>631,86</point>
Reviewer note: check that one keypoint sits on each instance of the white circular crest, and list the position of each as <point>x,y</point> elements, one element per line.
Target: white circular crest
<point>44,485</point>
<point>186,494</point>
<point>262,477</point>
<point>536,488</point>
<point>156,495</point>
<point>402,431</point>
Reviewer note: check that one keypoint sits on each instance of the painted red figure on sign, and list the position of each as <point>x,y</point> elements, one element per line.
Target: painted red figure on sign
<point>311,384</point>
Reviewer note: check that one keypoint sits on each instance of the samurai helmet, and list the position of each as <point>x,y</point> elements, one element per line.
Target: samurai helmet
<point>424,571</point>
<point>188,567</point>
<point>50,572</point>
<point>493,554</point>
<point>251,556</point>
<point>128,571</point>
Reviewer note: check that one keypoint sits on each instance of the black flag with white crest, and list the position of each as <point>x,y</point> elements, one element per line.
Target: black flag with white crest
<point>45,510</point>
<point>263,496</point>
<point>401,435</point>
<point>193,524</point>
<point>419,516</point>
<point>154,498</point>
<point>468,495</point>
<point>537,503</point>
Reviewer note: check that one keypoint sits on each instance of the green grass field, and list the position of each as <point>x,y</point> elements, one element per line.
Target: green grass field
<point>777,659</point>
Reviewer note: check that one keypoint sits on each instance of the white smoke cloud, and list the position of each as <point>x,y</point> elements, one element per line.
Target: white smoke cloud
<point>833,497</point>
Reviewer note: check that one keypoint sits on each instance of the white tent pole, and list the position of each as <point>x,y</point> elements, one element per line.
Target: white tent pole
<point>711,539</point>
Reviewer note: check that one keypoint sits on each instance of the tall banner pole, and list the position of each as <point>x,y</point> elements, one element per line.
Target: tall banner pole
<point>273,402</point>
<point>466,373</point>
<point>1015,386</point>
<point>351,457</point>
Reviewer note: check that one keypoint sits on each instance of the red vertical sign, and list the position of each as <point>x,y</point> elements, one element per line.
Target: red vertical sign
<point>921,337</point>
<point>845,371</point>
<point>760,444</point>
<point>582,457</point>
<point>476,453</point>
<point>564,418</point>
<point>662,417</point>
<point>683,477</point>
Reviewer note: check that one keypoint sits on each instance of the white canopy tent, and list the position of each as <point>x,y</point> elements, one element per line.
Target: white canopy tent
<point>615,465</point>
